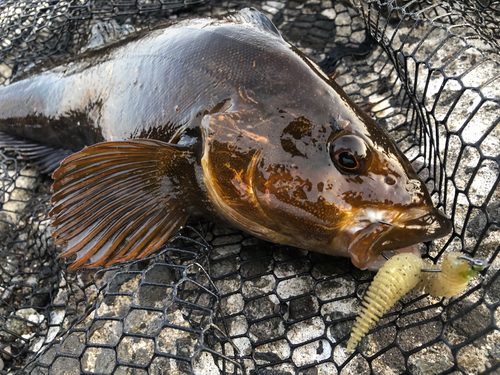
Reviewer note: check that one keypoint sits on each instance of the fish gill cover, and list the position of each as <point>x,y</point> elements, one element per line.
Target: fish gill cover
<point>218,301</point>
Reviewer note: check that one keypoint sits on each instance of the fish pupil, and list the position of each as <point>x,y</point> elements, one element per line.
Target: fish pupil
<point>347,160</point>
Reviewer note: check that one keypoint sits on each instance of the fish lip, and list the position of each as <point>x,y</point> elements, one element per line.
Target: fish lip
<point>426,225</point>
<point>410,227</point>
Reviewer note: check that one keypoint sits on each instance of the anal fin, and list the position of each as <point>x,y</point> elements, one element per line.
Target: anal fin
<point>46,157</point>
<point>116,201</point>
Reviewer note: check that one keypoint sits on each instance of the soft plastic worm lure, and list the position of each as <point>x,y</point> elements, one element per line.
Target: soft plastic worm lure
<point>456,272</point>
<point>402,273</point>
<point>395,278</point>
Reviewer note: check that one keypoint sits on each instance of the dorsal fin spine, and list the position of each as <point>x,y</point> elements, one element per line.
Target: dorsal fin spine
<point>255,18</point>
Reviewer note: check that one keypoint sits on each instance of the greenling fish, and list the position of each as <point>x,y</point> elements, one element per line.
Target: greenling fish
<point>217,117</point>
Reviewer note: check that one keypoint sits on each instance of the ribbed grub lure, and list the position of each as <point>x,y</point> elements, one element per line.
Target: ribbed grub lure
<point>397,277</point>
<point>402,273</point>
<point>456,272</point>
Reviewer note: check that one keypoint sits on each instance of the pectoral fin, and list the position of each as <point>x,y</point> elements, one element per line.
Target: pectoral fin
<point>117,201</point>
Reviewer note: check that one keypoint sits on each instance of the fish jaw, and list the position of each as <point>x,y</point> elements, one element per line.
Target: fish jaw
<point>372,232</point>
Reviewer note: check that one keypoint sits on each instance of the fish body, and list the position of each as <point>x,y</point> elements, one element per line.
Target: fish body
<point>216,117</point>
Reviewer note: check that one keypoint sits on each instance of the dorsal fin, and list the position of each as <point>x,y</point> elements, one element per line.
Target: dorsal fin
<point>105,33</point>
<point>255,18</point>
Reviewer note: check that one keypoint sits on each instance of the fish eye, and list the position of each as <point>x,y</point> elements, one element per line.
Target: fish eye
<point>347,160</point>
<point>349,153</point>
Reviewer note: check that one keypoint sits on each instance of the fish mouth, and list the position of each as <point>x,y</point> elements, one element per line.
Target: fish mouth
<point>400,232</point>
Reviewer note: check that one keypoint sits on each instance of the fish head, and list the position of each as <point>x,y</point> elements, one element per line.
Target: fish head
<point>334,184</point>
<point>345,190</point>
<point>388,206</point>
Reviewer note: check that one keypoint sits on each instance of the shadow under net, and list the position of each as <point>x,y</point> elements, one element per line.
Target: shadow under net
<point>217,300</point>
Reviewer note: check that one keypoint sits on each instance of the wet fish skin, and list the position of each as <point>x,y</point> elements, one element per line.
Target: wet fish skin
<point>264,129</point>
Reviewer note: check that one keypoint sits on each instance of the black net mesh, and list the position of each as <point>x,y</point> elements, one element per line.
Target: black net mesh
<point>218,301</point>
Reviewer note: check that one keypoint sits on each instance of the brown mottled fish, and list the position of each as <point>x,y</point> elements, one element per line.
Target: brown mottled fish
<point>213,117</point>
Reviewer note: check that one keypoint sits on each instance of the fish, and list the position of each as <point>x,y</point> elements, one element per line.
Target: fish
<point>215,117</point>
